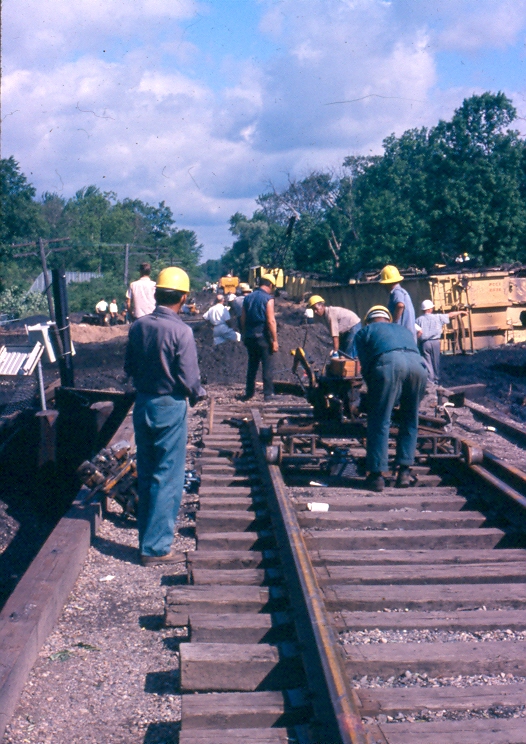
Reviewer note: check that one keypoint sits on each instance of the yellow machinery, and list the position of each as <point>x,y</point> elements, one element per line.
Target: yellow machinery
<point>256,272</point>
<point>228,284</point>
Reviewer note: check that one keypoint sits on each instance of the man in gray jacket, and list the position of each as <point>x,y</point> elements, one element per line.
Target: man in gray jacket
<point>161,356</point>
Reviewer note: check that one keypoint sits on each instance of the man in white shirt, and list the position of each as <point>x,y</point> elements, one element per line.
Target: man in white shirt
<point>140,297</point>
<point>101,308</point>
<point>218,316</point>
<point>114,311</point>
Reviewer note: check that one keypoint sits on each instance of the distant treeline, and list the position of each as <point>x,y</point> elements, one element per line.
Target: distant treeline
<point>99,226</point>
<point>435,194</point>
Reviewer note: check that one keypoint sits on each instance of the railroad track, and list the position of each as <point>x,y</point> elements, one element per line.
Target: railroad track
<point>393,617</point>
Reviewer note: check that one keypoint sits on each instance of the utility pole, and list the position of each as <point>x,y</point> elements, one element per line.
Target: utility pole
<point>42,243</point>
<point>126,263</point>
<point>47,283</point>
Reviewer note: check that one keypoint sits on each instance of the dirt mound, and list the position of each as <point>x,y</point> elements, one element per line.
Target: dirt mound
<point>88,334</point>
<point>226,364</point>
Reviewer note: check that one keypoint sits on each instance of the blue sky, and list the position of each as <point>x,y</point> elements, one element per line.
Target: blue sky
<point>204,104</point>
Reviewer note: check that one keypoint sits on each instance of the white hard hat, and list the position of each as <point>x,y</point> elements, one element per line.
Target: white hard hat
<point>427,305</point>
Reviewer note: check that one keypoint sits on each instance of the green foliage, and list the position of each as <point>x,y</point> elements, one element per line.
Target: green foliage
<point>98,226</point>
<point>22,303</point>
<point>84,296</point>
<point>457,188</point>
<point>21,215</point>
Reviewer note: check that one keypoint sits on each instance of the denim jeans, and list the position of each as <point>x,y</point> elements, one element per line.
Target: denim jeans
<point>397,377</point>
<point>160,434</point>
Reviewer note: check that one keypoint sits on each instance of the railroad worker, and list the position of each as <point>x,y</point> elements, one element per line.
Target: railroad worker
<point>341,323</point>
<point>260,336</point>
<point>161,356</point>
<point>236,308</point>
<point>400,304</point>
<point>140,297</point>
<point>394,372</point>
<point>219,317</point>
<point>114,312</point>
<point>101,308</point>
<point>430,325</point>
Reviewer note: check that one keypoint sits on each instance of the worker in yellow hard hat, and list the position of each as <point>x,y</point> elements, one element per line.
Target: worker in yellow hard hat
<point>394,373</point>
<point>161,357</point>
<point>342,324</point>
<point>260,336</point>
<point>400,304</point>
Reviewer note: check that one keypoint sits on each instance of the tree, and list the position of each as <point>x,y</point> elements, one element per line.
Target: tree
<point>21,215</point>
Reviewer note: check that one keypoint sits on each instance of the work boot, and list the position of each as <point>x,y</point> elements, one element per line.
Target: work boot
<point>161,560</point>
<point>403,479</point>
<point>375,482</point>
<point>270,398</point>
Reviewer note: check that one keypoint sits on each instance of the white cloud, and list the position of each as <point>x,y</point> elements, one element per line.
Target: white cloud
<point>137,118</point>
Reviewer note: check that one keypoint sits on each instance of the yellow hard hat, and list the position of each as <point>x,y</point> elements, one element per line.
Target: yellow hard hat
<point>377,311</point>
<point>390,275</point>
<point>269,278</point>
<point>314,300</point>
<point>173,278</point>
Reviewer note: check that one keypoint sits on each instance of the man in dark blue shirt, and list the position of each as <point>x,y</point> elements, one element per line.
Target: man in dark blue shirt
<point>394,372</point>
<point>260,336</point>
<point>161,357</point>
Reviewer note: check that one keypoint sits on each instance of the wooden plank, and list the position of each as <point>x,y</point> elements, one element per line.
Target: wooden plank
<point>237,667</point>
<point>399,557</point>
<point>231,559</point>
<point>227,480</point>
<point>218,520</point>
<point>422,502</point>
<point>437,659</point>
<point>478,573</point>
<point>231,503</point>
<point>449,620</point>
<point>220,491</point>
<point>410,699</point>
<point>241,710</point>
<point>311,493</point>
<point>227,468</point>
<point>32,609</point>
<point>469,731</point>
<point>244,576</point>
<point>235,541</point>
<point>425,597</point>
<point>219,600</point>
<point>483,537</point>
<point>411,520</point>
<point>234,736</point>
<point>240,627</point>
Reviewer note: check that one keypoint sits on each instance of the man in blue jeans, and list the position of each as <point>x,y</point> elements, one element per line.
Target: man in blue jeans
<point>395,373</point>
<point>161,357</point>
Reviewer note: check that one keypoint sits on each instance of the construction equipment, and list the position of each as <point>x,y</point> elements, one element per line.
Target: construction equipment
<point>335,392</point>
<point>256,272</point>
<point>228,284</point>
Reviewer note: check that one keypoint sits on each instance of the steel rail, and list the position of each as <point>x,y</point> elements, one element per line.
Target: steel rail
<point>336,704</point>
